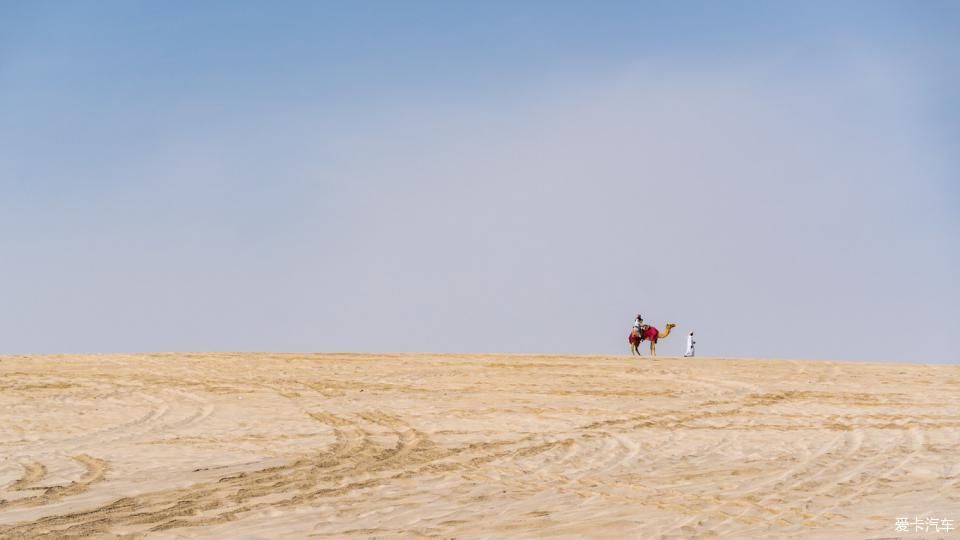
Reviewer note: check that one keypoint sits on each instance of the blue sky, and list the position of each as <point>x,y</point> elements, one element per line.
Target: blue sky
<point>485,176</point>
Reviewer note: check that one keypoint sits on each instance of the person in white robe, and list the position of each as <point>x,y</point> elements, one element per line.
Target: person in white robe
<point>690,344</point>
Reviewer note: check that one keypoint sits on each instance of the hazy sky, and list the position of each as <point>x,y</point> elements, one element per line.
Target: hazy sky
<point>782,178</point>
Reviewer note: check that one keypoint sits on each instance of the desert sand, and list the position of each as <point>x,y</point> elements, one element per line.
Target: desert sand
<point>406,445</point>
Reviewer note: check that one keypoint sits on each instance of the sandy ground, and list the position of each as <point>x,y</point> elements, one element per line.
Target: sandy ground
<point>336,445</point>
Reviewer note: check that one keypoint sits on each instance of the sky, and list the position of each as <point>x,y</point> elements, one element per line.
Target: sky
<point>781,178</point>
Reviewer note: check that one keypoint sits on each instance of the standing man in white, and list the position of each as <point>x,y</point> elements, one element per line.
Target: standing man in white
<point>690,344</point>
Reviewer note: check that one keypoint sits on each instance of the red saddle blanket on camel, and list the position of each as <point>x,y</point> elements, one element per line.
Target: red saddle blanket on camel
<point>650,334</point>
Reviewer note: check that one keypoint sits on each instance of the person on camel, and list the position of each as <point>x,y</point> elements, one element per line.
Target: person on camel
<point>637,326</point>
<point>638,322</point>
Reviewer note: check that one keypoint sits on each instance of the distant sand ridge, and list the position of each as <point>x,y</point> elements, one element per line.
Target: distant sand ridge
<point>334,445</point>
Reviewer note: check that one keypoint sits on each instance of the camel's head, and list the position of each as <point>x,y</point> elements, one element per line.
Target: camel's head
<point>670,325</point>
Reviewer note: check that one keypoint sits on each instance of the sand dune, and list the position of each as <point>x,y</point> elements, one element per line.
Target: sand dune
<point>335,445</point>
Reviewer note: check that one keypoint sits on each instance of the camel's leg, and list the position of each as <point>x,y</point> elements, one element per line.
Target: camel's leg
<point>653,349</point>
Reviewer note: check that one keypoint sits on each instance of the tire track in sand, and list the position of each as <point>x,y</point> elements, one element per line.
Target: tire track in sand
<point>94,471</point>
<point>32,473</point>
<point>356,451</point>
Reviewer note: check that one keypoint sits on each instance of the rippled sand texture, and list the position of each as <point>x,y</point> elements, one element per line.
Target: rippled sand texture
<point>334,445</point>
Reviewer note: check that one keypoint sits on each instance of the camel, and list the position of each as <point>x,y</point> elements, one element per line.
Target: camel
<point>650,334</point>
